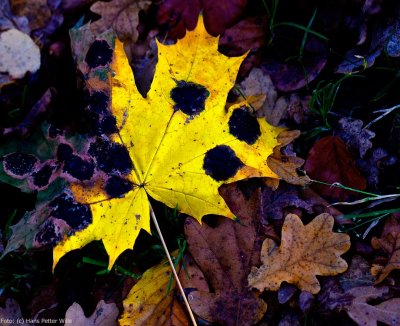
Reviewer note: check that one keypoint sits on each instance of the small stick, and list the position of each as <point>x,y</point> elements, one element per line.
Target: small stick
<point>153,216</point>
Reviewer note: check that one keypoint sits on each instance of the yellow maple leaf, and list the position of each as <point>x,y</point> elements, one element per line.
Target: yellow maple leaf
<point>182,142</point>
<point>305,251</point>
<point>150,303</point>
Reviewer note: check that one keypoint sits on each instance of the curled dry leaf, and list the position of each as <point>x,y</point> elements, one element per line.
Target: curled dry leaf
<point>18,54</point>
<point>121,15</point>
<point>305,251</point>
<point>367,314</point>
<point>286,166</point>
<point>330,161</point>
<point>389,242</point>
<point>224,253</point>
<point>150,303</point>
<point>105,314</point>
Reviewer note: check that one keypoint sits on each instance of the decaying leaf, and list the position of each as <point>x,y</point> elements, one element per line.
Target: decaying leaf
<point>286,166</point>
<point>330,161</point>
<point>247,35</point>
<point>357,138</point>
<point>121,15</point>
<point>37,12</point>
<point>364,313</point>
<point>11,312</point>
<point>258,85</point>
<point>224,253</point>
<point>218,15</point>
<point>149,303</point>
<point>105,314</point>
<point>173,159</point>
<point>18,54</point>
<point>390,243</point>
<point>179,15</point>
<point>305,251</point>
<point>8,20</point>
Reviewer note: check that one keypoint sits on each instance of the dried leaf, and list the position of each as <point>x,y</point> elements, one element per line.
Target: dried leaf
<point>37,12</point>
<point>258,84</point>
<point>11,312</point>
<point>334,295</point>
<point>8,20</point>
<point>364,313</point>
<point>172,159</point>
<point>105,314</point>
<point>149,303</point>
<point>390,243</point>
<point>219,15</point>
<point>305,251</point>
<point>357,138</point>
<point>248,34</point>
<point>121,15</point>
<point>275,202</point>
<point>385,34</point>
<point>290,75</point>
<point>18,54</point>
<point>178,16</point>
<point>224,253</point>
<point>286,166</point>
<point>330,161</point>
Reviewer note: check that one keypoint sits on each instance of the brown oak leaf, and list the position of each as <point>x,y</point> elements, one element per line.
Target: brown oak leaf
<point>104,314</point>
<point>364,313</point>
<point>390,243</point>
<point>330,161</point>
<point>305,251</point>
<point>224,254</point>
<point>121,15</point>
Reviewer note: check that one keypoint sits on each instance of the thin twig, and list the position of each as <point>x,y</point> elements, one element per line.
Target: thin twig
<point>384,112</point>
<point>153,216</point>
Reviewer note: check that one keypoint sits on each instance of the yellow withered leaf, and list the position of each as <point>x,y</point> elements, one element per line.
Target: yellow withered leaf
<point>182,142</point>
<point>150,303</point>
<point>305,251</point>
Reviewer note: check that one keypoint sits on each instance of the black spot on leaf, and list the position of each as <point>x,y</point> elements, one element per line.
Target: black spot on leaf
<point>64,152</point>
<point>117,187</point>
<point>110,157</point>
<point>107,125</point>
<point>41,178</point>
<point>79,168</point>
<point>99,54</point>
<point>189,97</point>
<point>221,163</point>
<point>76,215</point>
<point>244,125</point>
<point>98,102</point>
<point>20,164</point>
